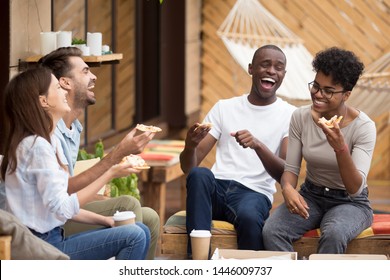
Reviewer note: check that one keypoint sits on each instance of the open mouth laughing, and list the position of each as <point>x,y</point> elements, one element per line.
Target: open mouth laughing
<point>267,83</point>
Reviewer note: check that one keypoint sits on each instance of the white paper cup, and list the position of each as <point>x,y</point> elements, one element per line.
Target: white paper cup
<point>94,42</point>
<point>48,42</point>
<point>200,244</point>
<point>124,218</point>
<point>64,39</point>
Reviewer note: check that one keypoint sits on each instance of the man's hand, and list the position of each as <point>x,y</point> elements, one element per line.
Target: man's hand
<point>198,144</point>
<point>132,144</point>
<point>195,134</point>
<point>245,139</point>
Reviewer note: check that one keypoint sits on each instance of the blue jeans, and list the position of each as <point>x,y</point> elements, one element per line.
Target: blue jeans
<point>339,216</point>
<point>210,198</point>
<point>128,242</point>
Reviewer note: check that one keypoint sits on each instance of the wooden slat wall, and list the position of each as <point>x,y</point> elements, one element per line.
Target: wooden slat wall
<point>380,165</point>
<point>125,83</point>
<point>99,115</point>
<point>362,26</point>
<point>69,15</point>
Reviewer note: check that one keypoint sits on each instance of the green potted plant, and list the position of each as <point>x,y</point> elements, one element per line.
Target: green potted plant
<point>118,186</point>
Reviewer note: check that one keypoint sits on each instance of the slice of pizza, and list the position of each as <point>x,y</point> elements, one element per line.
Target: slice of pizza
<point>204,125</point>
<point>150,128</point>
<point>136,162</point>
<point>330,123</point>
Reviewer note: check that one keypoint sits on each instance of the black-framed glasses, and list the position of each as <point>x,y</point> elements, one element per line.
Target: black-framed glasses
<point>325,92</point>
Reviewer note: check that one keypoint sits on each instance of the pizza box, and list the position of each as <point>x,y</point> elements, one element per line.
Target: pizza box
<point>347,257</point>
<point>82,165</point>
<point>223,254</point>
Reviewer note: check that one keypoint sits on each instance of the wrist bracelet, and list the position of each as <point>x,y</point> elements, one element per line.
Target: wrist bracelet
<point>344,148</point>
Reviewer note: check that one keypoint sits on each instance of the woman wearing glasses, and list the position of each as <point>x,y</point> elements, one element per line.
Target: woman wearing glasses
<point>334,195</point>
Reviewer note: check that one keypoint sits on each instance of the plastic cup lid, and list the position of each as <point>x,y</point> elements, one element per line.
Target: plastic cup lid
<point>200,233</point>
<point>121,216</point>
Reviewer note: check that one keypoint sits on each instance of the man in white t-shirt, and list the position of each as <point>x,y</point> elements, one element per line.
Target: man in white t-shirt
<point>251,133</point>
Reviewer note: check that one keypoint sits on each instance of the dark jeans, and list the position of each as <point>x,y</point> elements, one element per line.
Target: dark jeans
<point>210,198</point>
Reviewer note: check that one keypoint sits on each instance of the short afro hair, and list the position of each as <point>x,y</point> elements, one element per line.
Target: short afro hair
<point>344,66</point>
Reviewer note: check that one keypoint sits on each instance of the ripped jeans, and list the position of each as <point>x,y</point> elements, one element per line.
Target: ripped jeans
<point>127,242</point>
<point>339,216</point>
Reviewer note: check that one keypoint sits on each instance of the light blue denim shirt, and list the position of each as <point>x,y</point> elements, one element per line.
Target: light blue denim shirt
<point>37,190</point>
<point>2,195</point>
<point>70,141</point>
<point>2,190</point>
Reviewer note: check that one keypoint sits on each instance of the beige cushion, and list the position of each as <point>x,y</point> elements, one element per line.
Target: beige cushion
<point>25,245</point>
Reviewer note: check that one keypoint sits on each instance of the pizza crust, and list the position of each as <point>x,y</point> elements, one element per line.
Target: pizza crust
<point>329,123</point>
<point>204,125</point>
<point>136,162</point>
<point>142,167</point>
<point>149,128</point>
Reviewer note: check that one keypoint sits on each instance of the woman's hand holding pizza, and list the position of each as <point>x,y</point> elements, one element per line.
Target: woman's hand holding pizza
<point>333,133</point>
<point>122,169</point>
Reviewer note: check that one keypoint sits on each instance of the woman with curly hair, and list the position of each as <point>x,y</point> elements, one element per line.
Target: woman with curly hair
<point>334,195</point>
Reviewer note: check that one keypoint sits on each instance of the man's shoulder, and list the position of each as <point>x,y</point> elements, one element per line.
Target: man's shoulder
<point>285,104</point>
<point>62,128</point>
<point>233,99</point>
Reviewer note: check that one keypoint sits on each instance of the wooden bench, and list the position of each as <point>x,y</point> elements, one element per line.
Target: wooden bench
<point>174,240</point>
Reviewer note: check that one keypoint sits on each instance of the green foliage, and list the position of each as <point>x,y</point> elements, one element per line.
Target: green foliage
<point>99,149</point>
<point>83,155</point>
<point>76,41</point>
<point>118,186</point>
<point>125,186</point>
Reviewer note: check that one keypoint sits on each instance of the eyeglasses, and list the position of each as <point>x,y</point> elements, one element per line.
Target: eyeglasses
<point>325,92</point>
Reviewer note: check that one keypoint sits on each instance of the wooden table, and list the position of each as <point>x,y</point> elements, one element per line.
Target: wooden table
<point>155,180</point>
<point>154,187</point>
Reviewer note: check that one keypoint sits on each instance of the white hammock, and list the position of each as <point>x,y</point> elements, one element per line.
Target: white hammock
<point>371,94</point>
<point>248,26</point>
<point>377,74</point>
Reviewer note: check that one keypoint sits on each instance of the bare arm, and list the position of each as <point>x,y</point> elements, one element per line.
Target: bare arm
<point>198,144</point>
<point>88,217</point>
<point>129,145</point>
<point>273,164</point>
<point>87,194</point>
<point>351,177</point>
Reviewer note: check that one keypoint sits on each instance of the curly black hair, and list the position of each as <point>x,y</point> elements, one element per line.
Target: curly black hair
<point>344,66</point>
